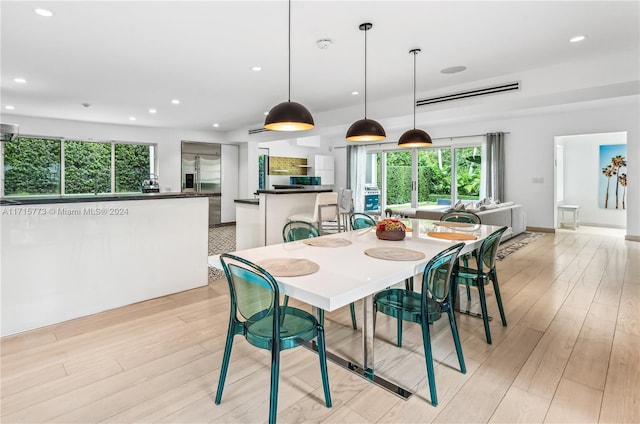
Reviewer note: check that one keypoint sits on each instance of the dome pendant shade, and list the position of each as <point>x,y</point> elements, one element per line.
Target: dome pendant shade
<point>415,138</point>
<point>366,130</point>
<point>289,116</point>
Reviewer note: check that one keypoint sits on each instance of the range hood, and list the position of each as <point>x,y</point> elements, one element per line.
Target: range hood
<point>8,132</point>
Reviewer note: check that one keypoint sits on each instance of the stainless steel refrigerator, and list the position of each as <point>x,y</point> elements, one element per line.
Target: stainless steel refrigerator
<point>201,173</point>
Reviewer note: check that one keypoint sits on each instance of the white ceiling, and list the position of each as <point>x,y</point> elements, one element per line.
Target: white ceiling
<point>124,57</point>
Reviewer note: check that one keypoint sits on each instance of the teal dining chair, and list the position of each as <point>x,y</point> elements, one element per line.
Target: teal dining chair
<point>426,307</point>
<point>361,220</point>
<point>464,217</point>
<point>480,276</point>
<point>256,314</point>
<point>300,230</point>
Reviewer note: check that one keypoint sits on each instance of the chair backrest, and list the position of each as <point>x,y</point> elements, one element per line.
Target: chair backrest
<point>346,202</point>
<point>361,220</point>
<point>436,278</point>
<point>326,207</point>
<point>254,292</point>
<point>489,249</point>
<point>298,230</point>
<point>461,216</point>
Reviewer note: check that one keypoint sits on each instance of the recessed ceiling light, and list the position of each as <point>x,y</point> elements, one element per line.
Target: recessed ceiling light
<point>355,93</point>
<point>256,68</point>
<point>152,111</point>
<point>20,80</point>
<point>44,12</point>
<point>266,113</point>
<point>216,125</point>
<point>453,69</point>
<point>175,101</point>
<point>577,39</point>
<point>132,118</point>
<point>9,107</point>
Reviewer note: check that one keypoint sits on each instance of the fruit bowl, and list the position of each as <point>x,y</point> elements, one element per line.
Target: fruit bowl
<point>390,235</point>
<point>390,229</point>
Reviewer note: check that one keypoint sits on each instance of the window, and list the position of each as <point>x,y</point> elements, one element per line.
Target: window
<point>37,166</point>
<point>87,167</point>
<point>32,166</point>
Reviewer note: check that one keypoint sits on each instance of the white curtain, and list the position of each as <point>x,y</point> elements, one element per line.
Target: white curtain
<point>494,166</point>
<point>356,173</point>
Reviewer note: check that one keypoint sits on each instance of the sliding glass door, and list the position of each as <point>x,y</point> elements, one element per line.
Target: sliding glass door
<point>398,188</point>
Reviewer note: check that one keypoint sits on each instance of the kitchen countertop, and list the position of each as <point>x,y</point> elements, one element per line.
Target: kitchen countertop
<point>248,201</point>
<point>310,189</point>
<point>102,197</point>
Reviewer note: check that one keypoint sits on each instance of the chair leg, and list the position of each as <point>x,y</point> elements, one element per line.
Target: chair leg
<point>275,375</point>
<point>285,302</point>
<point>399,332</point>
<point>428,356</point>
<point>408,283</point>
<point>496,290</point>
<point>483,307</point>
<point>225,361</point>
<point>322,354</point>
<point>352,308</point>
<point>456,339</point>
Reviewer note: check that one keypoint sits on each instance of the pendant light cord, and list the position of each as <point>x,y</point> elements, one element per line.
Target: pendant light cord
<point>289,35</point>
<point>414,89</point>
<point>365,73</point>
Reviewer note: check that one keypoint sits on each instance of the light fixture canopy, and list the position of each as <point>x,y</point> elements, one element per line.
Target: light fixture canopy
<point>289,116</point>
<point>365,129</point>
<point>414,137</point>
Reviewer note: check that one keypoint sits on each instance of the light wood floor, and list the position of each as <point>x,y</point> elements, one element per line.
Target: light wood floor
<point>569,354</point>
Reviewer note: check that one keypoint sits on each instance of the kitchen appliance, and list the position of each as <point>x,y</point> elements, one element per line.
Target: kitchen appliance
<point>201,173</point>
<point>8,132</point>
<point>371,199</point>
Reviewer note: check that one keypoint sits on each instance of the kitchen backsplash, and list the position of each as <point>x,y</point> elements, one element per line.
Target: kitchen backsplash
<point>279,165</point>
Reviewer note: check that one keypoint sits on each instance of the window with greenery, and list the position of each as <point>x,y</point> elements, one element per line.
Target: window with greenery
<point>132,166</point>
<point>87,167</point>
<point>32,166</point>
<point>398,178</point>
<point>434,177</point>
<point>468,173</point>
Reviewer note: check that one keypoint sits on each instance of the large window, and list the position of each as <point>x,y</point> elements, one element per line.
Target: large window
<point>431,177</point>
<point>37,166</point>
<point>32,166</point>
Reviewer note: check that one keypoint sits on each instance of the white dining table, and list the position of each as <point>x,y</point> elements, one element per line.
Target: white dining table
<point>346,274</point>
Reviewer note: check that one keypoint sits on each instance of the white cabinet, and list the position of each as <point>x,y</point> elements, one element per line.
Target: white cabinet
<point>323,167</point>
<point>229,182</point>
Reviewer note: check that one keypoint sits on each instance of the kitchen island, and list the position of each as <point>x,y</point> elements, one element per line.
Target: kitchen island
<point>259,222</point>
<point>65,257</point>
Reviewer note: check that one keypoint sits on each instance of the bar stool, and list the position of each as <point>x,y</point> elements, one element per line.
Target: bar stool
<point>325,210</point>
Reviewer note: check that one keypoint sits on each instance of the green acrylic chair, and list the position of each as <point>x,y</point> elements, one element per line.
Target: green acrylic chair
<point>300,230</point>
<point>256,314</point>
<point>361,220</point>
<point>426,307</point>
<point>464,217</point>
<point>482,274</point>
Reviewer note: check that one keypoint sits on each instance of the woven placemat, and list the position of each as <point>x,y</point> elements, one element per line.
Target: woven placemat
<point>452,236</point>
<point>460,225</point>
<point>394,254</point>
<point>289,267</point>
<point>327,242</point>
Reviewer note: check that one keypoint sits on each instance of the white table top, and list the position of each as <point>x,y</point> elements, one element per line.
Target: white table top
<point>346,273</point>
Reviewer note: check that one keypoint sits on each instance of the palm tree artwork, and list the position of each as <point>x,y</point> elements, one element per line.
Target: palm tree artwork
<point>613,163</point>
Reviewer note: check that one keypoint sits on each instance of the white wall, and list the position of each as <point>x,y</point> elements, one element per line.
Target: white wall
<point>582,175</point>
<point>168,140</point>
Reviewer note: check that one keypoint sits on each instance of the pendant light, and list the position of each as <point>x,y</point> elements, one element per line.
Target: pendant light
<point>365,129</point>
<point>414,137</point>
<point>289,116</point>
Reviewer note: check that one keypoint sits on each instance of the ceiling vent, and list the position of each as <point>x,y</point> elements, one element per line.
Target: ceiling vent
<point>258,131</point>
<point>502,88</point>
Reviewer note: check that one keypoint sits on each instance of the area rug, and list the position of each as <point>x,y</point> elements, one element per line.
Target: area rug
<point>222,239</point>
<point>516,243</point>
